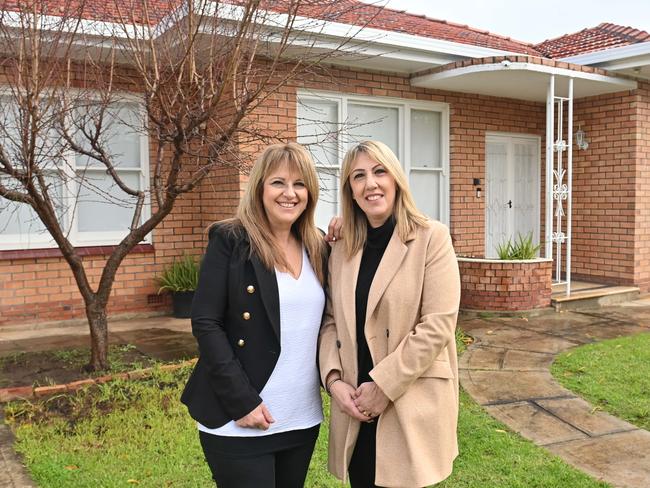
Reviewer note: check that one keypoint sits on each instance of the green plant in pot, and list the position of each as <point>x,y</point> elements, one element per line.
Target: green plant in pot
<point>180,278</point>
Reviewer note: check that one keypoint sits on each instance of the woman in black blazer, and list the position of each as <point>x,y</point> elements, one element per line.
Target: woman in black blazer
<point>256,315</point>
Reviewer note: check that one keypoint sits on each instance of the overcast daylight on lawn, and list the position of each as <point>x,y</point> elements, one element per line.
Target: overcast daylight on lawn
<point>530,21</point>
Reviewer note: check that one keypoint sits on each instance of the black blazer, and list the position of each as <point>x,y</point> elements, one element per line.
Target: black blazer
<point>236,321</point>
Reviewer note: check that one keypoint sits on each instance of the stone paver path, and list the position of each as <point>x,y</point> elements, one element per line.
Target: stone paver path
<point>12,472</point>
<point>506,370</point>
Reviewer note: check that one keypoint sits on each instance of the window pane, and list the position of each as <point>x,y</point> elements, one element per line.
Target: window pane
<point>20,219</point>
<point>48,148</point>
<point>374,123</point>
<point>102,205</point>
<point>425,139</point>
<point>328,201</point>
<point>317,129</point>
<point>120,135</point>
<point>425,186</point>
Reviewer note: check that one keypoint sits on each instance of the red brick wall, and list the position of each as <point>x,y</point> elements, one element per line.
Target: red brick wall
<point>470,117</point>
<point>610,191</point>
<point>642,188</point>
<point>605,189</point>
<point>504,285</point>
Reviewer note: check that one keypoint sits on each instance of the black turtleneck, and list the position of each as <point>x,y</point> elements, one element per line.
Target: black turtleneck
<point>372,253</point>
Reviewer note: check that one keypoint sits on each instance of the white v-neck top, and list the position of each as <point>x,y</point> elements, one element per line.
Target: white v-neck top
<point>292,393</point>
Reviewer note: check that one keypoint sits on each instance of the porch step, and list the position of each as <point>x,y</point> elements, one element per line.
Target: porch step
<point>592,297</point>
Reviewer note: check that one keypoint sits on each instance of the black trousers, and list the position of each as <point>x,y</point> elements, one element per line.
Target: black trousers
<point>364,457</point>
<point>273,461</point>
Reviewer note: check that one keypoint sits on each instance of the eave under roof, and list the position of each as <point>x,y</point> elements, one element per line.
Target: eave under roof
<point>520,78</point>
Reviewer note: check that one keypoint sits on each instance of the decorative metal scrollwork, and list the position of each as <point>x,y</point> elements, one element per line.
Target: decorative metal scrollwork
<point>559,237</point>
<point>560,191</point>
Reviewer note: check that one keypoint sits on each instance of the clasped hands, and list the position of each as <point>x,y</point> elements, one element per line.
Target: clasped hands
<point>363,403</point>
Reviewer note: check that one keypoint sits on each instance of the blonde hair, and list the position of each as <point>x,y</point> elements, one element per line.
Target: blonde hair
<point>252,216</point>
<point>407,216</point>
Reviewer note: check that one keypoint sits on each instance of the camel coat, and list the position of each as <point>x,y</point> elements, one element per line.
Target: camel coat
<point>410,328</point>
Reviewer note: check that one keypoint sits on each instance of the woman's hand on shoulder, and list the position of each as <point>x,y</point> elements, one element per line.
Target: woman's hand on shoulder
<point>259,418</point>
<point>343,394</point>
<point>334,230</point>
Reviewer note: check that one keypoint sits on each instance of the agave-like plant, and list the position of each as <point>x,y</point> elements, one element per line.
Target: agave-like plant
<point>182,275</point>
<point>521,248</point>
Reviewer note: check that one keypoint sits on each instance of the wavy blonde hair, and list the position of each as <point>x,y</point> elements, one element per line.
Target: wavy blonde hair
<point>406,214</point>
<point>252,216</point>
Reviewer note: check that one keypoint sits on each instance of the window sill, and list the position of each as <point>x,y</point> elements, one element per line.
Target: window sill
<point>56,252</point>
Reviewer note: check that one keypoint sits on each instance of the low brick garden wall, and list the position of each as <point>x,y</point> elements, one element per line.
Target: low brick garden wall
<point>492,284</point>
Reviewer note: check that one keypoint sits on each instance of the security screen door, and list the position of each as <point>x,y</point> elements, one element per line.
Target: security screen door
<point>512,189</point>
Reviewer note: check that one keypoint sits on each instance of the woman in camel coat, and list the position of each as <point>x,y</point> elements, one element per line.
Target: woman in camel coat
<point>387,345</point>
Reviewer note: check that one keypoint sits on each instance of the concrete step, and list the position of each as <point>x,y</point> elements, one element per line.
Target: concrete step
<point>593,298</point>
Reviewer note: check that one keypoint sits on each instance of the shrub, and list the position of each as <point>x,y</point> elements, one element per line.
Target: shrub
<point>182,275</point>
<point>521,248</point>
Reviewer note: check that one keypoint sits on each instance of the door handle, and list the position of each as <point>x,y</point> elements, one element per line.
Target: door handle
<point>509,204</point>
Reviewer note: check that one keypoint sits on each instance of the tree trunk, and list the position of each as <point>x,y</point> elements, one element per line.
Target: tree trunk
<point>98,322</point>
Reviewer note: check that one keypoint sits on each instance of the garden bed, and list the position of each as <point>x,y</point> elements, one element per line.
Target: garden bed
<point>505,285</point>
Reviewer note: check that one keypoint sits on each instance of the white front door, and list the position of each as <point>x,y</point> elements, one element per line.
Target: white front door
<point>512,189</point>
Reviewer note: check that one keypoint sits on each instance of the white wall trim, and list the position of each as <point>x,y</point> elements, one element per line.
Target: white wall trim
<point>423,80</point>
<point>612,54</point>
<point>43,240</point>
<point>402,104</point>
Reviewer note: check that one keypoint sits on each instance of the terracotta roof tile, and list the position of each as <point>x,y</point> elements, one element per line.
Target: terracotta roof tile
<point>346,11</point>
<point>102,10</point>
<point>420,25</point>
<point>599,38</point>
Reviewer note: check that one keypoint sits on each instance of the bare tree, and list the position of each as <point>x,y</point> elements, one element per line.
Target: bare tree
<point>196,71</point>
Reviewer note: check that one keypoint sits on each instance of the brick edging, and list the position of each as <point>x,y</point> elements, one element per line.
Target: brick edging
<point>31,392</point>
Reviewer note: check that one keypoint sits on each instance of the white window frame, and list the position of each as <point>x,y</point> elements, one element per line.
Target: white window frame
<point>404,107</point>
<point>70,190</point>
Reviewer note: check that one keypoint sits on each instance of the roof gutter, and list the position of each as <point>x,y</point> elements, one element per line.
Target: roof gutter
<point>609,55</point>
<point>385,41</point>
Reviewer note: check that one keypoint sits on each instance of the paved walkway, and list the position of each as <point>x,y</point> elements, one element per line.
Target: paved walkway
<point>507,371</point>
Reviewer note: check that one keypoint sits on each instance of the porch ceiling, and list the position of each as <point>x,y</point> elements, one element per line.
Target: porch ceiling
<point>520,80</point>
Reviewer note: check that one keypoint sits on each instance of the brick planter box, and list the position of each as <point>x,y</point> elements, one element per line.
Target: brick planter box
<point>492,284</point>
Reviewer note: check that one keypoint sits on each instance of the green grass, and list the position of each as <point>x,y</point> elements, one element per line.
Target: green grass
<point>613,375</point>
<point>138,434</point>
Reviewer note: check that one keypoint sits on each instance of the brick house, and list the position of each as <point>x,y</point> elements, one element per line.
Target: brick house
<point>485,127</point>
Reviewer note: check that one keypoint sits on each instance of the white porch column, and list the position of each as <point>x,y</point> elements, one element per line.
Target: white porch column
<point>570,189</point>
<point>550,121</point>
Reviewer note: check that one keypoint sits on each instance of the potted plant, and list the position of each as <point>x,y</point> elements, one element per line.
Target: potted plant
<point>180,278</point>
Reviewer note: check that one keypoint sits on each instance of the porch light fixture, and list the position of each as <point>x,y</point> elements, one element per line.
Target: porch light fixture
<point>476,182</point>
<point>581,139</point>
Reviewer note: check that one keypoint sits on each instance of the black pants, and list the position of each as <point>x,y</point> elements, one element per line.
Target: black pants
<point>273,461</point>
<point>364,458</point>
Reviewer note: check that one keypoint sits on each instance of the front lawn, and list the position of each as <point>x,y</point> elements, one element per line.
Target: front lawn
<point>136,433</point>
<point>613,375</point>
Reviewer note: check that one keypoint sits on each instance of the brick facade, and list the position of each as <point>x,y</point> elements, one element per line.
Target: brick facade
<point>505,285</point>
<point>606,190</point>
<point>611,188</point>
